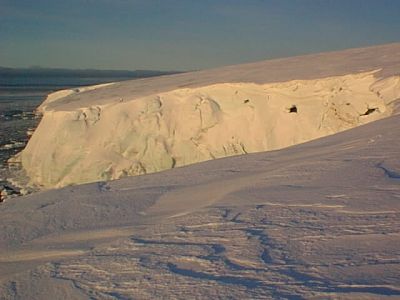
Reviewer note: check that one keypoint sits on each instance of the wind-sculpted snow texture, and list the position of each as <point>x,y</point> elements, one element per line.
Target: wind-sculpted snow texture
<point>145,126</point>
<point>320,220</point>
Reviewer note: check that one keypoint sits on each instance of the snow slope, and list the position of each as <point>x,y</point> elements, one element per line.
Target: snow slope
<point>318,220</point>
<point>144,126</point>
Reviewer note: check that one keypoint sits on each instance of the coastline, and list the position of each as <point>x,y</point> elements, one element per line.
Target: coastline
<point>22,103</point>
<point>13,179</point>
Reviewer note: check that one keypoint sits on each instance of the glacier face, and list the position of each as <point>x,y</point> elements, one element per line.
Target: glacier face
<point>182,126</point>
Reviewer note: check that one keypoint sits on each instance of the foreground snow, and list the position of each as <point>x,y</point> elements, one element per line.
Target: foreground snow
<point>318,220</point>
<point>144,126</point>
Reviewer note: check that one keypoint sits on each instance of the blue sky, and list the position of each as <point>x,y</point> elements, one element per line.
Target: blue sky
<point>185,34</point>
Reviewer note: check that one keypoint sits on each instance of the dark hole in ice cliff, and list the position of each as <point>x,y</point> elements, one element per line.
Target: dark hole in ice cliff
<point>370,111</point>
<point>293,109</point>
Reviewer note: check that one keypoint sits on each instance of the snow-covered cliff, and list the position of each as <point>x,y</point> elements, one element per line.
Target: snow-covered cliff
<point>140,126</point>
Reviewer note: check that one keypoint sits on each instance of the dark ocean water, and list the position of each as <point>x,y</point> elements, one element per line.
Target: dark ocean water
<point>19,97</point>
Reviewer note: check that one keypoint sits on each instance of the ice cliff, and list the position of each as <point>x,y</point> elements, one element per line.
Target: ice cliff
<point>150,125</point>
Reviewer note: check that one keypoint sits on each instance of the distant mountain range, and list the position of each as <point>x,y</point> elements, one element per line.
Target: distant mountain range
<point>59,72</point>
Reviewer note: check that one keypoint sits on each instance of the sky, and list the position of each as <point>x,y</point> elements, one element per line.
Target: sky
<point>185,34</point>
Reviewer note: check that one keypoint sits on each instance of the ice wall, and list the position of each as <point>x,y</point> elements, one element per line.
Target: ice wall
<point>189,125</point>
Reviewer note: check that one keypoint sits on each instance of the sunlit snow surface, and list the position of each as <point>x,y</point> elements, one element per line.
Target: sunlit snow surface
<point>320,220</point>
<point>149,125</point>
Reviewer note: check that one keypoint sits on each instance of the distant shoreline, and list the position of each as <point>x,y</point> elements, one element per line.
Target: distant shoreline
<point>83,73</point>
